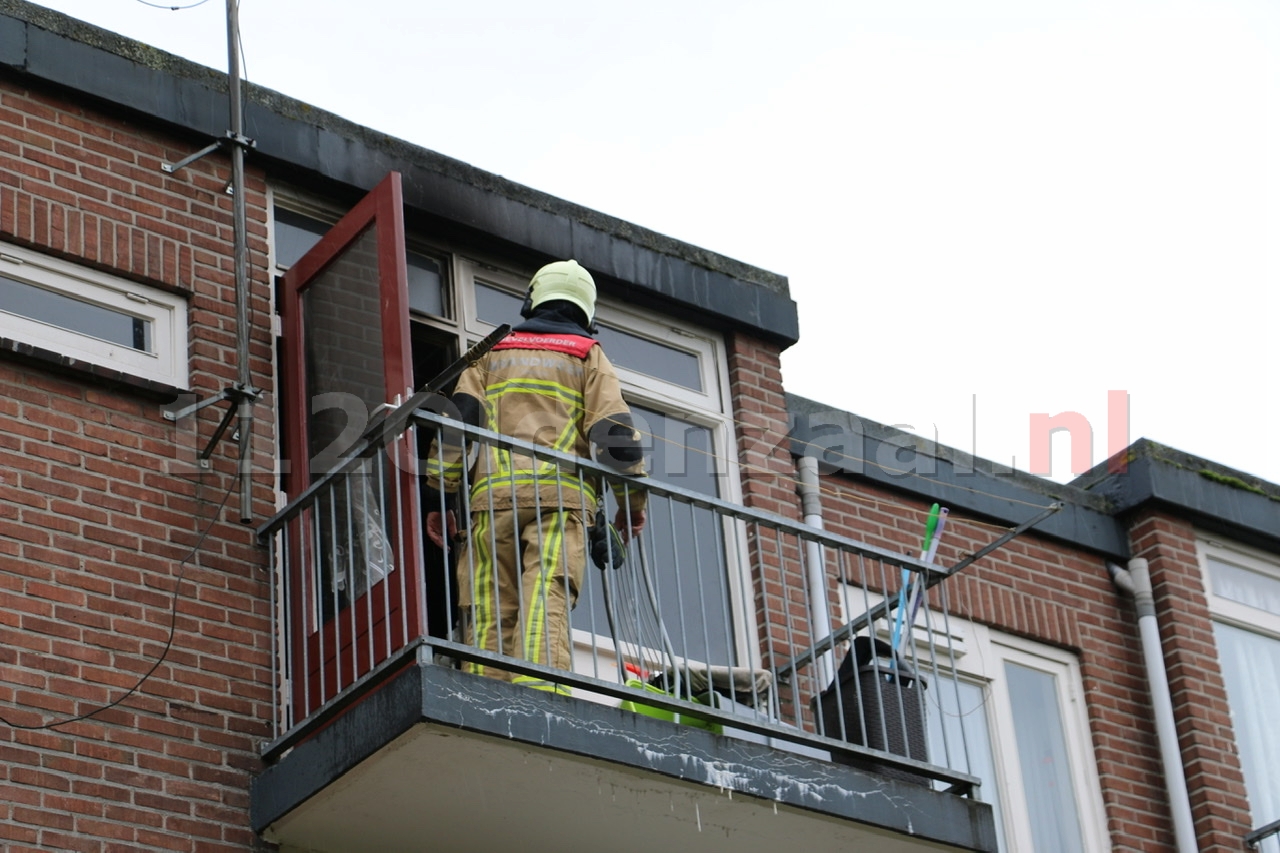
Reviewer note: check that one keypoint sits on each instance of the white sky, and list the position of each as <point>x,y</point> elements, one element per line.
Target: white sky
<point>986,209</point>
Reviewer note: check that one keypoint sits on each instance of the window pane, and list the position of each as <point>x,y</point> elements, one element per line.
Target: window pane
<point>960,739</point>
<point>684,549</point>
<point>1042,755</point>
<point>494,305</point>
<point>651,358</point>
<point>1251,669</point>
<point>1235,583</point>
<point>74,315</point>
<point>425,284</point>
<point>497,306</point>
<point>295,235</point>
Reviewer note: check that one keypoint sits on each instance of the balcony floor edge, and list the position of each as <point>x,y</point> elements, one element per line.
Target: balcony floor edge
<point>426,699</point>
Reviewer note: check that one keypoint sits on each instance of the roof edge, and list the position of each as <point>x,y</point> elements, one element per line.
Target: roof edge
<point>54,48</point>
<point>847,444</point>
<point>1213,496</point>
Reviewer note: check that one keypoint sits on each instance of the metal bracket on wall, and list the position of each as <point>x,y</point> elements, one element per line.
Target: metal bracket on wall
<point>232,138</point>
<point>237,394</point>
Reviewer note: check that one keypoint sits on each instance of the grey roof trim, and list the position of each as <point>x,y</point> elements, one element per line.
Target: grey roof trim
<point>1213,496</point>
<point>649,266</point>
<point>1096,503</point>
<point>847,444</point>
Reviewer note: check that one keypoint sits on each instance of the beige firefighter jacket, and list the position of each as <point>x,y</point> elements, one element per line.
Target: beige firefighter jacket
<point>530,391</point>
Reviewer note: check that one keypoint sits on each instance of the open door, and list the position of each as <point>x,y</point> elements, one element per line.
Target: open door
<point>358,582</point>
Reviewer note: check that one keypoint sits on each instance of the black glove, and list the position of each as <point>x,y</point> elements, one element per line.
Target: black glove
<point>607,547</point>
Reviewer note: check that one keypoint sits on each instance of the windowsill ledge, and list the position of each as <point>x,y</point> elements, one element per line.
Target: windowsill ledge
<point>87,371</point>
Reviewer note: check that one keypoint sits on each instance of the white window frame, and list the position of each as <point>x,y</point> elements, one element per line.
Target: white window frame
<point>167,363</point>
<point>1234,613</point>
<point>708,408</point>
<point>980,653</point>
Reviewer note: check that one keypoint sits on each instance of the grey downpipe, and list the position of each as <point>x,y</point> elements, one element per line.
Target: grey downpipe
<point>816,576</point>
<point>1136,581</point>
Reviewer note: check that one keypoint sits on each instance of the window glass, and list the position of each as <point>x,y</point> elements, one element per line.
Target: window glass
<point>426,283</point>
<point>1246,610</point>
<point>345,375</point>
<point>295,235</point>
<point>495,305</point>
<point>1251,669</point>
<point>683,548</point>
<point>91,318</point>
<point>651,358</point>
<point>74,315</point>
<point>960,738</point>
<point>1244,586</point>
<point>1042,754</point>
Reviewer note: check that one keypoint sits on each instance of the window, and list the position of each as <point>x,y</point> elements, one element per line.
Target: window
<point>1012,715</point>
<point>92,317</point>
<point>672,378</point>
<point>673,375</point>
<point>1244,598</point>
<point>1020,706</point>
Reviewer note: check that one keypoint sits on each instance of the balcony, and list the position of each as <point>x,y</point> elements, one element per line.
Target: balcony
<point>1265,838</point>
<point>711,703</point>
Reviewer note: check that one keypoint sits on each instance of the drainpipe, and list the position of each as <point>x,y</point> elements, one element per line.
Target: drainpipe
<point>1136,581</point>
<point>819,606</point>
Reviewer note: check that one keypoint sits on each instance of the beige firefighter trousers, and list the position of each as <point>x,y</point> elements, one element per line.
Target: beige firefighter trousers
<point>512,587</point>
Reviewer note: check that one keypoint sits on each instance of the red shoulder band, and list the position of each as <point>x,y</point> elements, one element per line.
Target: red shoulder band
<point>575,345</point>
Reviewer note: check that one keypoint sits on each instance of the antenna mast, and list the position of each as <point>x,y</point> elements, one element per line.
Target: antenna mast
<point>244,400</point>
<point>242,395</point>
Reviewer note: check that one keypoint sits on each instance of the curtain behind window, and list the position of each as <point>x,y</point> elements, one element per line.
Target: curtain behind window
<point>1251,669</point>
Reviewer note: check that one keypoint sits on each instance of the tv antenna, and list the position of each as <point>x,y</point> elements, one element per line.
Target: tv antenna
<point>240,395</point>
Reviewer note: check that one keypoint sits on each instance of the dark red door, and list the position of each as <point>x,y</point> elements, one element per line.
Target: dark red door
<point>356,584</point>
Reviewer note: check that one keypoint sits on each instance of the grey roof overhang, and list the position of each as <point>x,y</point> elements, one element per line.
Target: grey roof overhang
<point>1096,505</point>
<point>844,443</point>
<point>1212,496</point>
<point>296,138</point>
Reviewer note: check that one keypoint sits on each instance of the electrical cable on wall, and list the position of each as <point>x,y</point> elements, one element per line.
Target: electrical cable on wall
<point>168,644</point>
<point>172,8</point>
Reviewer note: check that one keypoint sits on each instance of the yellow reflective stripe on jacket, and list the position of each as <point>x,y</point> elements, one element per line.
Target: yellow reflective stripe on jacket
<point>526,477</point>
<point>547,398</point>
<point>541,387</point>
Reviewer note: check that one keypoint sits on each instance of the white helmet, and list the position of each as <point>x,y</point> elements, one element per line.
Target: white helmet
<point>565,280</point>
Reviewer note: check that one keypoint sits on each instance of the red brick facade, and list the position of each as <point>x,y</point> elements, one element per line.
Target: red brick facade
<point>768,483</point>
<point>1218,801</point>
<point>102,508</point>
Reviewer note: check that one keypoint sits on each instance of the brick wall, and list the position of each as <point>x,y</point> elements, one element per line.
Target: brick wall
<point>768,479</point>
<point>101,510</point>
<point>1219,803</point>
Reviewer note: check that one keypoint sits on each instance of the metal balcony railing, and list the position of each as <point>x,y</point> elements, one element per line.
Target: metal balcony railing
<point>1265,838</point>
<point>712,620</point>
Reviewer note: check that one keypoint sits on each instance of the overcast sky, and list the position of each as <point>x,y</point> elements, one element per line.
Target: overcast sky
<point>986,209</point>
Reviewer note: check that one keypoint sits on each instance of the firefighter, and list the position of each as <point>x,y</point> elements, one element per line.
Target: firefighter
<point>520,564</point>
